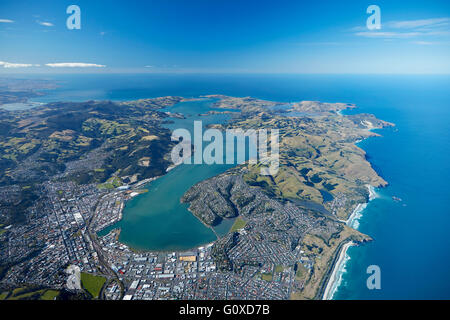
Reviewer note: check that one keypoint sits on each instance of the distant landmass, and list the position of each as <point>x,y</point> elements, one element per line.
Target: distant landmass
<point>21,90</point>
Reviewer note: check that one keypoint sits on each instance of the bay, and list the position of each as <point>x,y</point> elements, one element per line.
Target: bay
<point>410,237</point>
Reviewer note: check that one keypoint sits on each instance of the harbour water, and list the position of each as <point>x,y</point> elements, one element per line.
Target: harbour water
<point>156,220</point>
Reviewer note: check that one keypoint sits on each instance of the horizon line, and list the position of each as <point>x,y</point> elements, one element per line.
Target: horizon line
<point>218,73</point>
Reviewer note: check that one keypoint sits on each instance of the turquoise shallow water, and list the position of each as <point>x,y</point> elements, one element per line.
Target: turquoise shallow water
<point>411,237</point>
<point>157,220</point>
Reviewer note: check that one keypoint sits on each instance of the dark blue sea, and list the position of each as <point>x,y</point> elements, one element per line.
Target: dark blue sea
<point>411,237</point>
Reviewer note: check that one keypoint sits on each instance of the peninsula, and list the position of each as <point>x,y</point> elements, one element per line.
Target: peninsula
<point>69,169</point>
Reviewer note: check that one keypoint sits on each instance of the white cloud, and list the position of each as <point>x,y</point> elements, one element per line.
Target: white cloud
<point>429,43</point>
<point>45,24</point>
<point>74,65</point>
<point>409,24</point>
<point>6,21</point>
<point>380,34</point>
<point>148,67</point>
<point>17,65</point>
<point>437,27</point>
<point>5,64</point>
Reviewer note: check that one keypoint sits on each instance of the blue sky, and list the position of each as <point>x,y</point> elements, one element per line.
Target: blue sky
<point>225,36</point>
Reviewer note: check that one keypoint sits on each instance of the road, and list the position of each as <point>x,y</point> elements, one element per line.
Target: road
<point>105,268</point>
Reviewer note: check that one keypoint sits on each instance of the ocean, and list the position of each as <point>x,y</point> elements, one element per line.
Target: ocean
<point>411,242</point>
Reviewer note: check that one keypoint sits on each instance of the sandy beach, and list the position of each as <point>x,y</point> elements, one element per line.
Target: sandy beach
<point>353,219</point>
<point>334,280</point>
<point>353,222</point>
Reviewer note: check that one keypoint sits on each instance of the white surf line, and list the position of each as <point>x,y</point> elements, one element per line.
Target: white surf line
<point>353,219</point>
<point>335,279</point>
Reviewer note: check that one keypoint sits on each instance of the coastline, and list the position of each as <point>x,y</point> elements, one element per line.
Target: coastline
<point>336,275</point>
<point>341,257</point>
<point>136,186</point>
<point>173,166</point>
<point>145,183</point>
<point>338,268</point>
<point>134,193</point>
<point>353,220</point>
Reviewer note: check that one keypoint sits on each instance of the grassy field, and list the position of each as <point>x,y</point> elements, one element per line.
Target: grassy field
<point>93,284</point>
<point>266,276</point>
<point>239,223</point>
<point>112,183</point>
<point>49,295</point>
<point>301,272</point>
<point>279,269</point>
<point>29,294</point>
